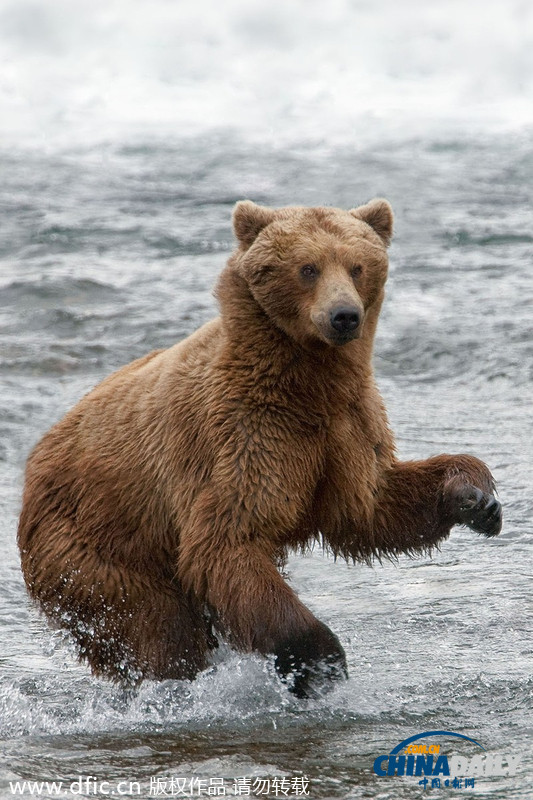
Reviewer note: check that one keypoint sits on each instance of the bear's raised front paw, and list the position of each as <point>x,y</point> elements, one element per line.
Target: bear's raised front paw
<point>309,661</point>
<point>476,509</point>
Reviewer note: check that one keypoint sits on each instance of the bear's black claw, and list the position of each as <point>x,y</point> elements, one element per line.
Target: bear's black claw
<point>310,661</point>
<point>481,512</point>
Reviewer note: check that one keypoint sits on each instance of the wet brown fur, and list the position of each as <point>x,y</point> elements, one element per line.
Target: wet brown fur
<point>179,482</point>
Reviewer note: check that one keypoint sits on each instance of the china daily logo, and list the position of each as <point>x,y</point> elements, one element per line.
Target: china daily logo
<point>438,769</point>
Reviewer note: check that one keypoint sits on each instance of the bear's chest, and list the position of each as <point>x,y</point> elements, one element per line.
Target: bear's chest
<point>353,463</point>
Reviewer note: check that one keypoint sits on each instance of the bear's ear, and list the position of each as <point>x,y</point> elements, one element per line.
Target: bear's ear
<point>378,214</point>
<point>249,219</point>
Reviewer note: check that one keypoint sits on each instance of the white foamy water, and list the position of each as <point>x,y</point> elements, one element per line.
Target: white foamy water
<point>79,71</point>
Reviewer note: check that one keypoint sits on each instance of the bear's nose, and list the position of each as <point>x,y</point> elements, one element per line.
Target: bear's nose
<point>344,319</point>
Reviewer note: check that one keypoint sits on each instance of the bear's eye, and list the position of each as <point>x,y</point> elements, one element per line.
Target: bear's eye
<point>309,271</point>
<point>355,271</point>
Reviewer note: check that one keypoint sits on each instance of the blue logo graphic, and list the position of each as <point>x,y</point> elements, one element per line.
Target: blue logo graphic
<point>411,757</point>
<point>407,742</point>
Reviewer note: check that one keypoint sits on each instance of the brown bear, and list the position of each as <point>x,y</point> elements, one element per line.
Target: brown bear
<point>157,512</point>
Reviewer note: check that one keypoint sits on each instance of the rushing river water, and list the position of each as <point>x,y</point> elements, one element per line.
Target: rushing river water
<point>110,246</point>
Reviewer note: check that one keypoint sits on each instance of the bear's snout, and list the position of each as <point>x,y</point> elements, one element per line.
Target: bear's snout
<point>345,319</point>
<point>339,322</point>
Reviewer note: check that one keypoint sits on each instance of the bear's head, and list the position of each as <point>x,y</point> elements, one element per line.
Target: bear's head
<point>315,272</point>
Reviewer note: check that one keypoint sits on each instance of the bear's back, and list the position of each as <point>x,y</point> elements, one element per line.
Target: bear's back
<point>112,460</point>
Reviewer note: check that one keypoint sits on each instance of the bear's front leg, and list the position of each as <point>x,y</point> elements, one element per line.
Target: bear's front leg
<point>419,502</point>
<point>251,605</point>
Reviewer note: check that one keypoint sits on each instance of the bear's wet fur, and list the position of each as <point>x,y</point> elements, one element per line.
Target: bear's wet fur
<point>158,510</point>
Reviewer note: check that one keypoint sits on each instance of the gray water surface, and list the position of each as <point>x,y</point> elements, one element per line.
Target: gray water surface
<point>110,251</point>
